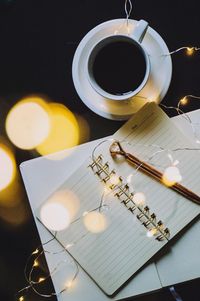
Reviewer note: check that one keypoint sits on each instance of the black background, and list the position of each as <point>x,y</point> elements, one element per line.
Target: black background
<point>37,42</point>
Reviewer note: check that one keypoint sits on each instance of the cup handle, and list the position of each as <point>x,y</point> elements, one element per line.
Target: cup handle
<point>140,31</point>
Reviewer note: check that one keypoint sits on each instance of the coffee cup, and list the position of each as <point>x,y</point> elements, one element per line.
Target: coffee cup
<point>118,66</point>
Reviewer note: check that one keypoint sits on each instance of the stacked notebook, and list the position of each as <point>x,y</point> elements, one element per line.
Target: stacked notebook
<point>111,258</point>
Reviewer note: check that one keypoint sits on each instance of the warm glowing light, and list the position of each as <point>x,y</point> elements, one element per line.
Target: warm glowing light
<point>190,50</point>
<point>21,298</point>
<point>55,216</point>
<point>41,279</point>
<point>69,246</point>
<point>69,284</point>
<point>36,263</point>
<point>107,189</point>
<point>7,167</point>
<point>152,232</point>
<point>28,123</point>
<point>35,252</point>
<point>171,176</point>
<point>139,199</point>
<point>114,179</point>
<point>184,101</point>
<point>95,222</point>
<point>129,178</point>
<point>64,132</point>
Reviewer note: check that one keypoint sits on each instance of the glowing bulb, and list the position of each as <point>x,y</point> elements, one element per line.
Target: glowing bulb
<point>190,50</point>
<point>21,298</point>
<point>95,222</point>
<point>139,199</point>
<point>41,279</point>
<point>114,179</point>
<point>7,167</point>
<point>171,176</point>
<point>36,263</point>
<point>152,232</point>
<point>69,284</point>
<point>28,123</point>
<point>55,216</point>
<point>64,132</point>
<point>35,252</point>
<point>184,101</point>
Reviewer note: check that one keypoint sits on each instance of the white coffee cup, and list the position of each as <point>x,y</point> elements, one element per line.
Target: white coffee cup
<point>136,37</point>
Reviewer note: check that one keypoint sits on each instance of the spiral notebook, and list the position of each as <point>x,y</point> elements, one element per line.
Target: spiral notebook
<point>113,256</point>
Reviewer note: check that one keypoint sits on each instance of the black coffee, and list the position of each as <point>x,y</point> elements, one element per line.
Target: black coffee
<point>119,67</point>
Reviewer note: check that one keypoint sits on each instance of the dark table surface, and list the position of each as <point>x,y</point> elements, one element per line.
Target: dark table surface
<point>38,41</point>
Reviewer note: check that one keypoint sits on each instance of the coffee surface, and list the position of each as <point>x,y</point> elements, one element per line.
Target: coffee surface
<point>119,67</point>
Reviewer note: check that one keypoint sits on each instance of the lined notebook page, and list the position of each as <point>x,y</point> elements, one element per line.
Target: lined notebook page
<point>113,256</point>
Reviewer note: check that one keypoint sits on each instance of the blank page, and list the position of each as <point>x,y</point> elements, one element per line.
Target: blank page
<point>114,255</point>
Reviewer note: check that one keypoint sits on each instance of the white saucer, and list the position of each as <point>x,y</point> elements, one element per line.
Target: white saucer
<point>155,89</point>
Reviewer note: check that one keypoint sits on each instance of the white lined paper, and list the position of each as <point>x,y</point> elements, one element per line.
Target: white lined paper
<point>113,256</point>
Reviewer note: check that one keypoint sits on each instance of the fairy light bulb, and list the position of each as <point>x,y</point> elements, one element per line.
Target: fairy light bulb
<point>21,298</point>
<point>184,101</point>
<point>36,263</point>
<point>139,199</point>
<point>190,50</point>
<point>35,252</point>
<point>95,222</point>
<point>152,232</point>
<point>41,279</point>
<point>171,176</point>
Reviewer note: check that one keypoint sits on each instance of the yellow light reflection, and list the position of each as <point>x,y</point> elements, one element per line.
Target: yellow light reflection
<point>64,131</point>
<point>95,222</point>
<point>7,167</point>
<point>28,123</point>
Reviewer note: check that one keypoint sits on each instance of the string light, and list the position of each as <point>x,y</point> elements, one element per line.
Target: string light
<point>189,50</point>
<point>36,264</point>
<point>21,298</point>
<point>35,252</point>
<point>151,233</point>
<point>41,279</point>
<point>184,101</point>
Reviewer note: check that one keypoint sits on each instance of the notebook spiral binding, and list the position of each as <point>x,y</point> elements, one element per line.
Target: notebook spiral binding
<point>122,192</point>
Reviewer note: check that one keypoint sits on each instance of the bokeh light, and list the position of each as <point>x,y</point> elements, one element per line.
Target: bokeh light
<point>59,210</point>
<point>7,167</point>
<point>64,131</point>
<point>95,222</point>
<point>171,176</point>
<point>54,216</point>
<point>28,123</point>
